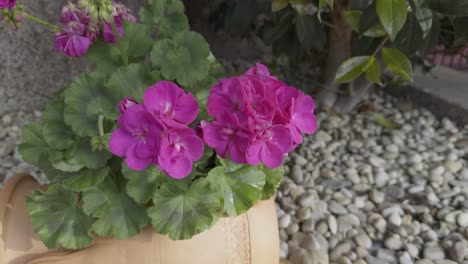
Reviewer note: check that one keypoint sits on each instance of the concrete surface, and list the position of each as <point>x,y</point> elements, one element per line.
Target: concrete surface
<point>444,91</point>
<point>30,69</point>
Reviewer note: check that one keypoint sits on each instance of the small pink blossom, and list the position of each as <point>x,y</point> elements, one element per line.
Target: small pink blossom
<point>171,104</point>
<point>126,103</point>
<point>108,31</point>
<point>180,147</point>
<point>269,146</point>
<point>71,40</point>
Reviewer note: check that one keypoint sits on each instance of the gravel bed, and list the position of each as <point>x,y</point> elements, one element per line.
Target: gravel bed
<point>356,192</point>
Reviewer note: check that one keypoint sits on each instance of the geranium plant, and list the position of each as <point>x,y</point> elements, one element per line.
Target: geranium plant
<point>155,134</point>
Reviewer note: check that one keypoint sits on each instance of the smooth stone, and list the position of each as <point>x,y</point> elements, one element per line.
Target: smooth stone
<point>300,256</point>
<point>297,174</point>
<point>6,120</point>
<point>405,258</point>
<point>434,252</point>
<point>453,166</point>
<point>340,250</point>
<point>292,229</point>
<point>386,255</point>
<point>381,179</point>
<point>308,225</point>
<point>462,220</point>
<point>347,222</point>
<point>304,214</point>
<point>300,160</point>
<point>306,200</point>
<point>393,242</point>
<point>336,208</point>
<point>395,219</point>
<point>363,240</point>
<point>332,224</point>
<point>376,196</point>
<point>412,249</point>
<point>457,251</point>
<point>284,221</point>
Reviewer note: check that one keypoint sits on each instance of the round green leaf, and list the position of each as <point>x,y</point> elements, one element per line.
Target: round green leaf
<point>130,81</point>
<point>85,179</point>
<point>240,188</point>
<point>273,180</point>
<point>410,38</point>
<point>118,215</point>
<point>352,68</point>
<point>33,148</point>
<point>92,159</point>
<point>424,16</point>
<point>142,184</point>
<point>167,15</point>
<point>398,63</point>
<point>86,99</point>
<point>184,58</point>
<point>277,5</point>
<point>57,219</point>
<point>182,211</point>
<point>392,14</point>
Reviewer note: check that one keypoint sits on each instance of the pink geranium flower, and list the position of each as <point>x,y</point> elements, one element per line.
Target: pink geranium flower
<point>137,139</point>
<point>71,41</point>
<point>257,118</point>
<point>226,136</point>
<point>180,147</point>
<point>171,104</point>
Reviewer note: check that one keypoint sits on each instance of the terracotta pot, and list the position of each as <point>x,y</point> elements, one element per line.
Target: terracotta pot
<point>251,238</point>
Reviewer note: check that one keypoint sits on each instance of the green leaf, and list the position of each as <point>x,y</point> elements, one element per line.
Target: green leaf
<point>273,180</point>
<point>449,7</point>
<point>277,5</point>
<point>56,133</point>
<point>167,15</point>
<point>432,40</point>
<point>86,99</point>
<point>136,41</point>
<point>184,58</point>
<point>104,56</point>
<point>398,63</point>
<point>142,185</point>
<point>182,211</point>
<point>57,219</point>
<point>353,18</point>
<point>352,68</point>
<point>85,179</point>
<point>241,187</point>
<point>310,32</point>
<point>118,215</point>
<point>385,122</point>
<point>423,15</point>
<point>410,38</point>
<point>373,72</point>
<point>33,148</point>
<point>392,15</point>
<point>92,159</point>
<point>130,81</point>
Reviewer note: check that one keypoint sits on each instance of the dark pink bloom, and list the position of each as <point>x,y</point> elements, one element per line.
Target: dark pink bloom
<point>126,103</point>
<point>180,147</point>
<point>71,41</point>
<point>171,104</point>
<point>10,4</point>
<point>257,118</point>
<point>269,146</point>
<point>137,139</point>
<point>227,137</point>
<point>108,32</point>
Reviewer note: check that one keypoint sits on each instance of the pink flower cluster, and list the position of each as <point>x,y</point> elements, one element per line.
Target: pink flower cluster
<point>79,30</point>
<point>257,118</point>
<point>156,132</point>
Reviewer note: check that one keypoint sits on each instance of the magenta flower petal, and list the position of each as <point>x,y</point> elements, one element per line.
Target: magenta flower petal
<point>258,69</point>
<point>10,4</point>
<point>177,167</point>
<point>303,114</point>
<point>72,45</point>
<point>170,103</point>
<point>126,103</point>
<point>135,162</point>
<point>120,141</point>
<point>271,155</point>
<point>253,156</point>
<point>108,31</point>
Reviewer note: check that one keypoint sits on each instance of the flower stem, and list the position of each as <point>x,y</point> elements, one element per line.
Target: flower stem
<point>116,35</point>
<point>101,125</point>
<point>52,27</point>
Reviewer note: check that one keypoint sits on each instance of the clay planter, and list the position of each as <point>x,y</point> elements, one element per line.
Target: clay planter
<point>251,238</point>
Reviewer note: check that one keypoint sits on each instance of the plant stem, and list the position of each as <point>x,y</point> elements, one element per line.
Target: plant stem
<point>116,35</point>
<point>52,27</point>
<point>381,45</point>
<point>101,125</point>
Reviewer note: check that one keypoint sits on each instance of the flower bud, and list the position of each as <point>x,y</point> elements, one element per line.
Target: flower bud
<point>10,4</point>
<point>126,103</point>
